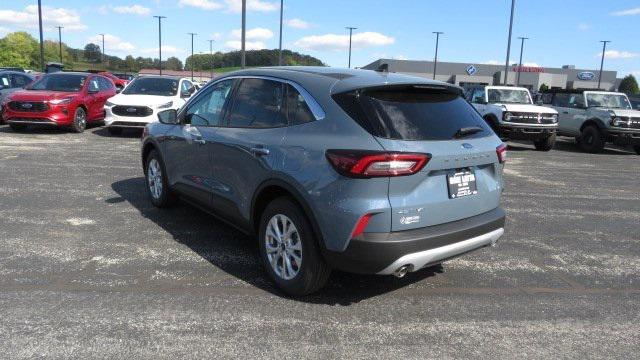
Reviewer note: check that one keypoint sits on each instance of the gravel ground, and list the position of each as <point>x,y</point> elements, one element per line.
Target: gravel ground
<point>89,269</point>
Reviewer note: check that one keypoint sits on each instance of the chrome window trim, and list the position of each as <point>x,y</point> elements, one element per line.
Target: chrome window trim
<point>313,104</point>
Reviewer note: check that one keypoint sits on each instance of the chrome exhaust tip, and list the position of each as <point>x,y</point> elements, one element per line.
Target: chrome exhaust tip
<point>402,271</point>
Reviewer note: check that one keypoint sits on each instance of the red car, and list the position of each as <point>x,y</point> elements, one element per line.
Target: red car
<point>120,83</point>
<point>63,99</point>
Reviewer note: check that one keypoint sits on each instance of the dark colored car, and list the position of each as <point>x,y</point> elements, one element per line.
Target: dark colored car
<point>12,81</point>
<point>63,99</point>
<point>355,170</point>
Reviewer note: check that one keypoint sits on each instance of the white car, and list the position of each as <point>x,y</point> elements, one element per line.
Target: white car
<point>139,103</point>
<point>512,114</point>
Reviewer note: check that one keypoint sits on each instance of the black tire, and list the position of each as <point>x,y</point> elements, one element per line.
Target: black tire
<point>165,198</point>
<point>17,127</point>
<point>79,120</point>
<point>592,140</point>
<point>313,272</point>
<point>545,144</point>
<point>114,130</point>
<point>637,149</point>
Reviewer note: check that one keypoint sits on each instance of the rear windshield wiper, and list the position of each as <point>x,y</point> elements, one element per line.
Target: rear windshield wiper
<point>466,131</point>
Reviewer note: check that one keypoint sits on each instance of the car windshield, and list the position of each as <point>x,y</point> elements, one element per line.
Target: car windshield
<point>152,86</point>
<point>612,101</point>
<point>59,82</point>
<point>509,96</point>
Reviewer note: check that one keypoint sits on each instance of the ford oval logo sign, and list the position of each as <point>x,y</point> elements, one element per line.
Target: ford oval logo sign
<point>467,146</point>
<point>131,110</point>
<point>586,75</point>
<point>27,105</point>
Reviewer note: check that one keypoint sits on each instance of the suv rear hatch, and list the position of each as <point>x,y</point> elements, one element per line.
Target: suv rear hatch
<point>463,176</point>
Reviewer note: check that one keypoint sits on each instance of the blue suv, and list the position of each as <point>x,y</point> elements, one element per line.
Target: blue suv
<point>356,170</point>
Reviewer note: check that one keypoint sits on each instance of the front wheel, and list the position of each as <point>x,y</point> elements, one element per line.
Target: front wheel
<point>79,120</point>
<point>289,249</point>
<point>637,149</point>
<point>545,144</point>
<point>156,180</point>
<point>592,140</point>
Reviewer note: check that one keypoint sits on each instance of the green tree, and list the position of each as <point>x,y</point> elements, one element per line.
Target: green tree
<point>544,87</point>
<point>19,49</point>
<point>92,52</point>
<point>629,85</point>
<point>172,63</point>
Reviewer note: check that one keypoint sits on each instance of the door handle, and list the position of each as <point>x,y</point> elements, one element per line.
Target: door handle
<point>198,139</point>
<point>259,151</point>
<point>565,112</point>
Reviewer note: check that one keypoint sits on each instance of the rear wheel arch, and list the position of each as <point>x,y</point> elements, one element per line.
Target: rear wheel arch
<point>273,189</point>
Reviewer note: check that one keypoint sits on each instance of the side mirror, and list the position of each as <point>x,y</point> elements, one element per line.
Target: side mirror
<point>93,91</point>
<point>185,94</point>
<point>169,117</point>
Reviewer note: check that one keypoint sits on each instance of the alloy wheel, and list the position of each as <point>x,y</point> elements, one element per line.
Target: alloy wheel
<point>283,247</point>
<point>154,179</point>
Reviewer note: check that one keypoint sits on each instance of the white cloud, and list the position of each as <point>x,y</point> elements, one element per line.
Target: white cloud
<point>166,49</point>
<point>297,23</point>
<point>492,62</point>
<point>253,34</point>
<point>335,42</point>
<point>112,43</point>
<point>584,27</point>
<point>616,54</point>
<point>4,31</point>
<point>252,5</point>
<point>635,73</point>
<point>133,9</point>
<point>202,4</point>
<point>249,45</point>
<point>216,36</point>
<point>50,17</point>
<point>628,12</point>
<point>530,64</point>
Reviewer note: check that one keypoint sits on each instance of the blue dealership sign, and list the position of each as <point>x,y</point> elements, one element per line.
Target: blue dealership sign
<point>586,75</point>
<point>471,70</point>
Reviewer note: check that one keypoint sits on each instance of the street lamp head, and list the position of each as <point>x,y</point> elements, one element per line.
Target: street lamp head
<point>159,16</point>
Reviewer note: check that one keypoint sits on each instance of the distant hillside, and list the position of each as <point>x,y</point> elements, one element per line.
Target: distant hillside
<point>253,58</point>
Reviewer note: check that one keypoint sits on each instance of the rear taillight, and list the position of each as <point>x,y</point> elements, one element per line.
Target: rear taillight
<point>501,151</point>
<point>366,164</point>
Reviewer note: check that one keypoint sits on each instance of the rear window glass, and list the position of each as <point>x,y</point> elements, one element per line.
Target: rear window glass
<point>412,113</point>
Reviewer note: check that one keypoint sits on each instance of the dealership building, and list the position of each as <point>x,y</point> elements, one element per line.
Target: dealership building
<point>532,77</point>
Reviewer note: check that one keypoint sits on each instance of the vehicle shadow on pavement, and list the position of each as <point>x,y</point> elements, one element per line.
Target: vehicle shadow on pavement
<point>569,145</point>
<point>126,134</point>
<point>44,130</point>
<point>220,244</point>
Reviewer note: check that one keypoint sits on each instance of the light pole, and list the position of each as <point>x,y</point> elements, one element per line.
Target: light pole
<point>506,65</point>
<point>520,63</point>
<point>212,58</point>
<point>160,40</point>
<point>280,47</point>
<point>192,59</point>
<point>41,39</point>
<point>350,36</point>
<point>435,59</point>
<point>103,66</point>
<point>243,59</point>
<point>604,48</point>
<point>60,41</point>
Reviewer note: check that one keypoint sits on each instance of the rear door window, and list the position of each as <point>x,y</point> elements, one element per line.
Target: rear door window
<point>258,103</point>
<point>412,113</point>
<point>561,100</point>
<point>297,109</point>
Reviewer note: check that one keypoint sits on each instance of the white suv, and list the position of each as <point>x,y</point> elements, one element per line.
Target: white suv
<point>139,103</point>
<point>512,114</point>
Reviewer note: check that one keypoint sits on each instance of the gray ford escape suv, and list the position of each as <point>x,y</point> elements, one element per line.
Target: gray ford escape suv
<point>355,170</point>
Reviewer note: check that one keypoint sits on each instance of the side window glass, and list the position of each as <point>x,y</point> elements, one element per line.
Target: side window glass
<point>19,81</point>
<point>4,82</point>
<point>94,85</point>
<point>547,98</point>
<point>576,100</point>
<point>478,96</point>
<point>207,109</point>
<point>258,104</point>
<point>297,108</point>
<point>561,100</point>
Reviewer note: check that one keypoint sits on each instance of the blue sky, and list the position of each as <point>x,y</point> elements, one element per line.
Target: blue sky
<point>561,32</point>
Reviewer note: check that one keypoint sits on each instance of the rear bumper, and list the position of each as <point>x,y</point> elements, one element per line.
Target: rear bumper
<point>527,131</point>
<point>383,253</point>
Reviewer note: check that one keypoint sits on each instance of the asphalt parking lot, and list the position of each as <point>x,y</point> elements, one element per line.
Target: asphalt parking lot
<point>89,269</point>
